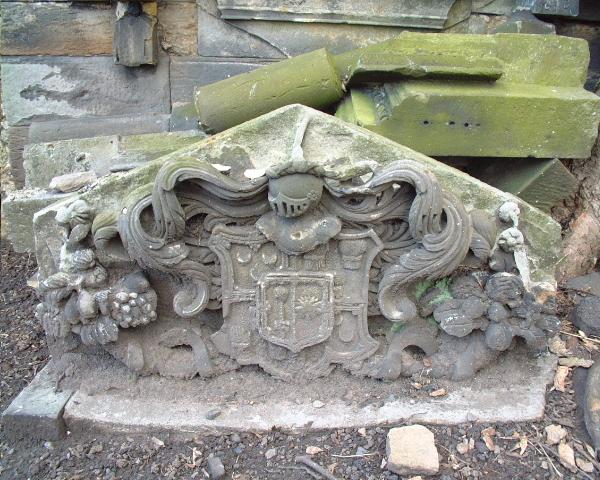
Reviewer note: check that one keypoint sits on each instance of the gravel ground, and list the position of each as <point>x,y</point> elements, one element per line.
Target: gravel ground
<point>507,451</point>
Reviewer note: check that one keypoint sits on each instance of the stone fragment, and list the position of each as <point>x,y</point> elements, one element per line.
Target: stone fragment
<point>215,466</point>
<point>271,453</point>
<point>542,183</point>
<point>135,40</point>
<point>591,405</point>
<point>586,315</point>
<point>411,450</point>
<point>309,79</point>
<point>431,14</point>
<point>37,411</point>
<point>80,87</point>
<point>585,285</point>
<point>572,362</point>
<point>71,182</point>
<point>554,434</point>
<point>18,210</point>
<point>213,413</point>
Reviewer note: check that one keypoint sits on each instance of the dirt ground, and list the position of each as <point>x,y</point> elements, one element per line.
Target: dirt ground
<point>503,451</point>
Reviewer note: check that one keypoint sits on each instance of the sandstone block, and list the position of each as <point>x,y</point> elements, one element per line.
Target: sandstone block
<point>411,450</point>
<point>479,119</point>
<point>178,27</point>
<point>31,28</point>
<point>37,411</point>
<point>52,87</point>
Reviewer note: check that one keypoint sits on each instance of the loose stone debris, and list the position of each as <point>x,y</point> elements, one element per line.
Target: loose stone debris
<point>71,182</point>
<point>411,450</point>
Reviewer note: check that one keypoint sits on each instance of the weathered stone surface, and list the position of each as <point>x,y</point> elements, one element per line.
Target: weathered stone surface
<point>542,183</point>
<point>31,28</point>
<point>591,406</point>
<point>135,39</point>
<point>178,27</point>
<point>16,141</point>
<point>277,40</point>
<point>499,120</point>
<point>310,79</point>
<point>539,59</point>
<point>37,412</point>
<point>525,110</point>
<point>17,216</point>
<point>71,182</point>
<point>411,450</point>
<point>87,127</point>
<point>216,469</point>
<point>586,315</point>
<point>581,247</point>
<point>587,284</point>
<point>525,22</point>
<point>188,73</point>
<point>43,161</point>
<point>54,87</point>
<point>435,14</point>
<point>254,149</point>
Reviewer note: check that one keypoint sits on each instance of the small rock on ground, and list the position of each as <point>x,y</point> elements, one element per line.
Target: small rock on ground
<point>216,469</point>
<point>411,450</point>
<point>586,315</point>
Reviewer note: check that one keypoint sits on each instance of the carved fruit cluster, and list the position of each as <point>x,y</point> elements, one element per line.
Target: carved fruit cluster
<point>499,305</point>
<point>133,302</point>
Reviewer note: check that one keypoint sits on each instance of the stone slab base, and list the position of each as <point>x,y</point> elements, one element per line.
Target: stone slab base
<point>511,391</point>
<point>37,412</point>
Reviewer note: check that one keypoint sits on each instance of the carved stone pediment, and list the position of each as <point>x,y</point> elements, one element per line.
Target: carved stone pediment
<point>196,265</point>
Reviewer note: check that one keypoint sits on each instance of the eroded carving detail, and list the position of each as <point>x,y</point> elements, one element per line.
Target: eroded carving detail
<point>295,259</point>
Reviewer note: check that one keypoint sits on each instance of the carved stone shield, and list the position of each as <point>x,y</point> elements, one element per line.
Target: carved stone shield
<point>295,310</point>
<point>294,315</point>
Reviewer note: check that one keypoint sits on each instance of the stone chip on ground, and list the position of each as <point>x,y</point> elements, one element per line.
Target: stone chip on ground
<point>554,434</point>
<point>411,450</point>
<point>216,469</point>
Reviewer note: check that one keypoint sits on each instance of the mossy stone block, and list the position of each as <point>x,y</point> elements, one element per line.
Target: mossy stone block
<point>309,79</point>
<point>479,119</point>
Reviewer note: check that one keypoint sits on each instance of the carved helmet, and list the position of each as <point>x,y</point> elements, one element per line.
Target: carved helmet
<point>293,195</point>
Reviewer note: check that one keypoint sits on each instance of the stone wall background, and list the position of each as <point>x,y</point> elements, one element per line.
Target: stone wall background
<point>59,80</point>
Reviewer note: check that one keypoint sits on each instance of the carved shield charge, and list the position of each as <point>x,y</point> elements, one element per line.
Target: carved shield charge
<point>295,315</point>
